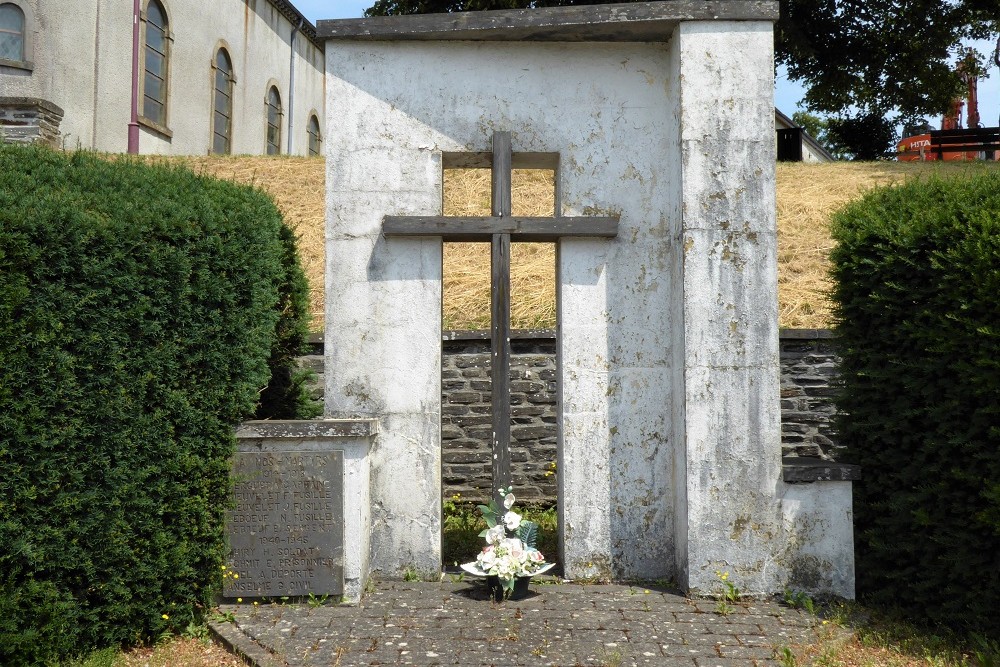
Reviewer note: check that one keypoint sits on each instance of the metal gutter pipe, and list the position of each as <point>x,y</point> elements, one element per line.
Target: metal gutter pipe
<point>133,126</point>
<point>291,87</point>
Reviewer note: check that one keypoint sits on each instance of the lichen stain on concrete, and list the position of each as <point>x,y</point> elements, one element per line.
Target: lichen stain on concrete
<point>806,573</point>
<point>359,390</point>
<point>632,174</point>
<point>740,525</point>
<point>596,567</point>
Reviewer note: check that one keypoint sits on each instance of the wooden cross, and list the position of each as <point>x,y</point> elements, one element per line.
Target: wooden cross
<point>500,229</point>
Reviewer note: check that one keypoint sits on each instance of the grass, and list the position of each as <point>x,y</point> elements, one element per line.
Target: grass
<point>807,195</point>
<point>171,652</point>
<point>886,638</point>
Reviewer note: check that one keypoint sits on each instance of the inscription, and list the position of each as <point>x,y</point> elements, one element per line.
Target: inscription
<point>286,529</point>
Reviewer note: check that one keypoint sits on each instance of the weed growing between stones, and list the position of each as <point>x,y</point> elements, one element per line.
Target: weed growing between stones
<point>730,594</point>
<point>799,600</point>
<point>316,600</point>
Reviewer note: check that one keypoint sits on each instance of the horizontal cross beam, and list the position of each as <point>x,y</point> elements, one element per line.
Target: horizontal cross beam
<point>454,228</point>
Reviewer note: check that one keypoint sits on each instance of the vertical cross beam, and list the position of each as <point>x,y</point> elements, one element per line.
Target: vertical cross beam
<point>500,314</point>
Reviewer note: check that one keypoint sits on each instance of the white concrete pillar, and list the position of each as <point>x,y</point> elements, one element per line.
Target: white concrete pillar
<point>728,425</point>
<point>383,316</point>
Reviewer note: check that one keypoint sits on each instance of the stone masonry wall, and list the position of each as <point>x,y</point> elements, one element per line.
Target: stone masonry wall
<point>808,372</point>
<point>808,375</point>
<point>466,422</point>
<point>28,120</point>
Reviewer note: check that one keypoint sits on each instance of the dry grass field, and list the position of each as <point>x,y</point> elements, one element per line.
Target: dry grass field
<point>807,196</point>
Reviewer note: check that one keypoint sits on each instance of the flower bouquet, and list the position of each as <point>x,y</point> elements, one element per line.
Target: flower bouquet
<point>510,554</point>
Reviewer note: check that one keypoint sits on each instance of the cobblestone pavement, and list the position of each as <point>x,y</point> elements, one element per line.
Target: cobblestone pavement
<point>569,625</point>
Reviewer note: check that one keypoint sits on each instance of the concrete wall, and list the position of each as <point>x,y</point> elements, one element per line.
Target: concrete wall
<point>63,46</point>
<point>383,309</point>
<point>726,428</point>
<point>82,63</point>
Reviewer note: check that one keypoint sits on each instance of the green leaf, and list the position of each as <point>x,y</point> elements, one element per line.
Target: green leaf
<point>528,533</point>
<point>489,513</point>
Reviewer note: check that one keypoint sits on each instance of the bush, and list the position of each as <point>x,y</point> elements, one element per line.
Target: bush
<point>287,395</point>
<point>138,309</point>
<point>917,288</point>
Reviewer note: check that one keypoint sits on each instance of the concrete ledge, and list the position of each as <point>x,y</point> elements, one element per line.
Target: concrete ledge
<point>308,428</point>
<point>239,644</point>
<point>31,102</point>
<point>638,22</point>
<point>804,469</point>
<point>805,334</point>
<point>484,334</point>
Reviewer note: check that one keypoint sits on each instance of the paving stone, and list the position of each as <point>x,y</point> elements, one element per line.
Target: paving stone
<point>420,623</point>
<point>747,652</point>
<point>708,661</point>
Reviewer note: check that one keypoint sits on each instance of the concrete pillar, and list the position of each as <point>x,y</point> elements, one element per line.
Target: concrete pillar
<point>383,318</point>
<point>727,424</point>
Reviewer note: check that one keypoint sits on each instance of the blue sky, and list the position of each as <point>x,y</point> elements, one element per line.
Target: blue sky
<point>787,94</point>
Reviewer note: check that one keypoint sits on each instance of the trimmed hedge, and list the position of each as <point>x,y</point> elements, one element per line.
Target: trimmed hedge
<point>287,395</point>
<point>138,311</point>
<point>917,288</point>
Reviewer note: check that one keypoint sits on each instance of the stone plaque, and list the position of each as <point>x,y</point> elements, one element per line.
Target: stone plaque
<point>286,531</point>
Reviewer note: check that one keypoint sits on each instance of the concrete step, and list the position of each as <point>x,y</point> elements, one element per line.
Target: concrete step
<point>313,362</point>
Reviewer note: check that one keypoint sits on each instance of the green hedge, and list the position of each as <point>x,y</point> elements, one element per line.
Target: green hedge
<point>287,395</point>
<point>917,288</point>
<point>138,311</point>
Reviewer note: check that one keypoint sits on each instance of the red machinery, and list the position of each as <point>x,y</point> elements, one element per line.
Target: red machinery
<point>932,146</point>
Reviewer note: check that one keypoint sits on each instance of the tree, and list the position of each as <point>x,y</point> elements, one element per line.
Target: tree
<point>860,60</point>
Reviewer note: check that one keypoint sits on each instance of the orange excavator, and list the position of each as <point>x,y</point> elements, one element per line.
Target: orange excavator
<point>931,146</point>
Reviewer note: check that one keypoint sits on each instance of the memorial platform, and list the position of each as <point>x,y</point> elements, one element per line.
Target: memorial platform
<point>453,623</point>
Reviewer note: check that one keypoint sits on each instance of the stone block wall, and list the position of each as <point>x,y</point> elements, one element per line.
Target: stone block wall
<point>466,423</point>
<point>29,120</point>
<point>808,373</point>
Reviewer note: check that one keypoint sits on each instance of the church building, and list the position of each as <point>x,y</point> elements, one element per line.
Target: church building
<point>173,77</point>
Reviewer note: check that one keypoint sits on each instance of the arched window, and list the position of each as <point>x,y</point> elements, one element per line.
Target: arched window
<point>11,32</point>
<point>156,57</point>
<point>273,121</point>
<point>222,116</point>
<point>315,140</point>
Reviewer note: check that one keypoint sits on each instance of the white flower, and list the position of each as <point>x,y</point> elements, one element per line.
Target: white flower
<point>495,534</point>
<point>487,559</point>
<point>508,501</point>
<point>512,520</point>
<point>514,547</point>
